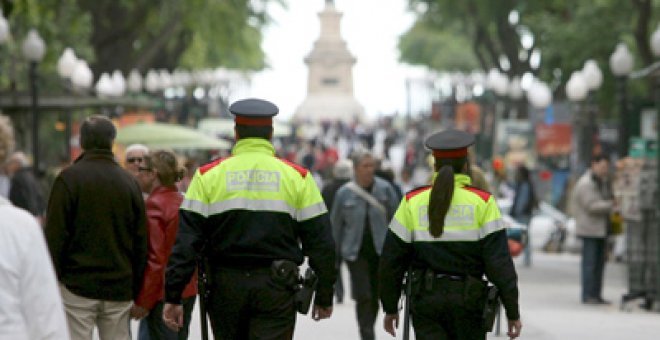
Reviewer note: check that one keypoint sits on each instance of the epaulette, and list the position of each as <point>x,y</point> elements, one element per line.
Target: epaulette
<point>302,171</point>
<point>206,167</point>
<point>485,195</point>
<point>414,192</point>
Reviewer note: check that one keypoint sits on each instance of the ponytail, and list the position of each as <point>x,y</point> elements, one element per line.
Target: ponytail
<point>442,192</point>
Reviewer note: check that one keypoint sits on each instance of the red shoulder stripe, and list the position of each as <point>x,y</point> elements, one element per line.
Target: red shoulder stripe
<point>415,192</point>
<point>302,171</point>
<point>485,195</point>
<point>204,168</point>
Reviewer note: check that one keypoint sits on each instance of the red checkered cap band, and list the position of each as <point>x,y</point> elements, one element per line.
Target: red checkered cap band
<point>450,153</point>
<point>254,121</point>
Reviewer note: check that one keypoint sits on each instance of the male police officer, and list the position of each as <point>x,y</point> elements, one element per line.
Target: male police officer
<point>246,215</point>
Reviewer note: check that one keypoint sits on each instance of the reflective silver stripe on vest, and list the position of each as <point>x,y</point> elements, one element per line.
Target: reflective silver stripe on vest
<point>461,234</point>
<point>448,235</point>
<point>195,206</point>
<point>401,231</point>
<point>491,227</point>
<point>311,211</point>
<point>243,203</point>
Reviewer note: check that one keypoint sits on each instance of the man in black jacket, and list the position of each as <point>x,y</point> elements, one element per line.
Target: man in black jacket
<point>25,190</point>
<point>97,236</point>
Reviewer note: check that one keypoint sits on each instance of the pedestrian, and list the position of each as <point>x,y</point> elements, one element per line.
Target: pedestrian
<point>593,202</point>
<point>342,173</point>
<point>135,157</point>
<point>97,236</point>
<point>30,302</point>
<point>25,191</point>
<point>253,217</point>
<point>451,234</point>
<point>360,213</point>
<point>522,208</point>
<point>5,181</point>
<point>160,172</point>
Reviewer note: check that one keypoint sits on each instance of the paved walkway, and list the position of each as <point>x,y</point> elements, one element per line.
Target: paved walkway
<point>550,308</point>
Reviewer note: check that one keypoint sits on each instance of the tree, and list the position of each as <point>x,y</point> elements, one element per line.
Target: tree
<point>566,33</point>
<point>142,34</point>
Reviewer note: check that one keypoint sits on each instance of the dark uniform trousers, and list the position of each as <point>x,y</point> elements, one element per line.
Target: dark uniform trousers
<point>445,312</point>
<point>247,304</point>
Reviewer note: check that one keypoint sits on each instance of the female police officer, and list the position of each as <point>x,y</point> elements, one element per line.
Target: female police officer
<point>451,234</point>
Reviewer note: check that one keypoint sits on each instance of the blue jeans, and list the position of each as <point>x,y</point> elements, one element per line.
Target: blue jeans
<point>593,267</point>
<point>527,251</point>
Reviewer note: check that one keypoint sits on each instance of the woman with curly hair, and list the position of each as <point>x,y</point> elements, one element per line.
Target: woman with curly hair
<point>158,174</point>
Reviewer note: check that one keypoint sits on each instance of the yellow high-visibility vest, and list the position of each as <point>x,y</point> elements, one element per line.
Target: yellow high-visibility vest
<point>473,214</point>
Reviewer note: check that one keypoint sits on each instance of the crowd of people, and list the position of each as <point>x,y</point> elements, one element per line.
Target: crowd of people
<point>125,232</point>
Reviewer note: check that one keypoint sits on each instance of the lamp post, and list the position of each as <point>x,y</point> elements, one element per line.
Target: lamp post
<point>65,67</point>
<point>134,82</point>
<point>540,96</point>
<point>655,48</point>
<point>593,78</point>
<point>621,64</point>
<point>4,29</point>
<point>34,49</point>
<point>576,91</point>
<point>499,84</point>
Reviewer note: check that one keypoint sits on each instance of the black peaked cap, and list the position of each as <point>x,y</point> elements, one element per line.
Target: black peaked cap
<point>450,139</point>
<point>253,108</point>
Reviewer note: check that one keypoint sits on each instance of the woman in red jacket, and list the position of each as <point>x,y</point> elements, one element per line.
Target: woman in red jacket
<point>160,172</point>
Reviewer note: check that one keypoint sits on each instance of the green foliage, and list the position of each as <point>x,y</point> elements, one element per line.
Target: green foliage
<point>566,32</point>
<point>126,34</point>
<point>439,50</point>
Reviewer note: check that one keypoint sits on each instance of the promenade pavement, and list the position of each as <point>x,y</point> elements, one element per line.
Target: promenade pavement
<point>550,308</point>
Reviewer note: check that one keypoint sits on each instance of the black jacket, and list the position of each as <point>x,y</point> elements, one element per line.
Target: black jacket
<point>96,229</point>
<point>26,192</point>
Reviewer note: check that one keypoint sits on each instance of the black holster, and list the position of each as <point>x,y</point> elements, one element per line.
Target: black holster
<point>285,273</point>
<point>305,291</point>
<point>491,307</point>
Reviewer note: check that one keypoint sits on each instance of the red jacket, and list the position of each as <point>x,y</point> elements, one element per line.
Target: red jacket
<point>162,208</point>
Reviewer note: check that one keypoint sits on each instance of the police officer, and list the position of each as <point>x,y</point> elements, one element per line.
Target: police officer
<point>247,214</point>
<point>451,234</point>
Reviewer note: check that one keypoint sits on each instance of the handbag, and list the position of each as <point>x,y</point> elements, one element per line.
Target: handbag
<point>616,224</point>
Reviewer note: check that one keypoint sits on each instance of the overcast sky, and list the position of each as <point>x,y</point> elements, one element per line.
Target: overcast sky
<point>370,27</point>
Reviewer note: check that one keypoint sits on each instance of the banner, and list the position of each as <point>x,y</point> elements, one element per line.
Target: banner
<point>468,117</point>
<point>553,140</point>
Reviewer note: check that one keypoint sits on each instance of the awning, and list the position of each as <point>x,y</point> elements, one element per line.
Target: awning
<point>172,136</point>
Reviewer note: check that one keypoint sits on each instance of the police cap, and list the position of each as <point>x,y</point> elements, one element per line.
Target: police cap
<point>254,112</point>
<point>450,143</point>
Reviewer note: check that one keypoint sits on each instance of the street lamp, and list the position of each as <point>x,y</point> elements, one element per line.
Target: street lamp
<point>621,64</point>
<point>134,81</point>
<point>104,86</point>
<point>118,83</point>
<point>4,29</point>
<point>539,95</point>
<point>655,47</point>
<point>576,91</point>
<point>152,81</point>
<point>593,78</point>
<point>65,68</point>
<point>82,77</point>
<point>67,63</point>
<point>34,49</point>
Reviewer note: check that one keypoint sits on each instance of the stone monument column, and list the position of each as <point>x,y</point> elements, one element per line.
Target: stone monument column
<point>330,94</point>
